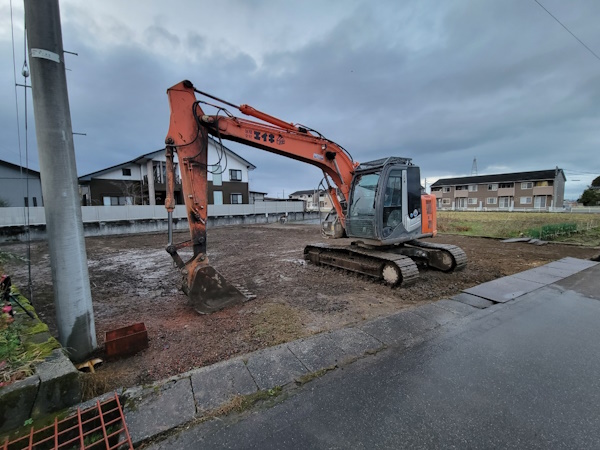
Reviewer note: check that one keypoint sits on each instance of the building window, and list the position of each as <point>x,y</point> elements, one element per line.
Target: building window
<point>493,187</point>
<point>236,199</point>
<point>472,201</point>
<point>472,188</point>
<point>34,201</point>
<point>504,202</point>
<point>217,197</point>
<point>26,202</point>
<point>116,200</point>
<point>527,185</point>
<point>539,201</point>
<point>446,189</point>
<point>126,172</point>
<point>445,201</point>
<point>217,176</point>
<point>235,175</point>
<point>525,200</point>
<point>491,200</point>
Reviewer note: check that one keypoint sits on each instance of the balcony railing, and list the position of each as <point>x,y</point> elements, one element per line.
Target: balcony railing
<point>158,180</point>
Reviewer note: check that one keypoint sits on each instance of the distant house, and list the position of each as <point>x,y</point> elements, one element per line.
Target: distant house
<point>142,181</point>
<point>313,200</point>
<point>19,186</point>
<point>256,196</point>
<point>539,190</point>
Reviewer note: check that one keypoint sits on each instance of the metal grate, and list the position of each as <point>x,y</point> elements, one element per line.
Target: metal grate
<point>100,427</point>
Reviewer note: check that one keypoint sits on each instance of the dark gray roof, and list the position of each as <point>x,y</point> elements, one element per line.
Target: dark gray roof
<point>17,167</point>
<point>500,178</point>
<point>307,192</point>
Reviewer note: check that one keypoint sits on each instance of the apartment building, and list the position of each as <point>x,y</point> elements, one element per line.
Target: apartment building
<point>538,190</point>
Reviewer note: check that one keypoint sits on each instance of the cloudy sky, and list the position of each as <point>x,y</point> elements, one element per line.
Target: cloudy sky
<point>440,82</point>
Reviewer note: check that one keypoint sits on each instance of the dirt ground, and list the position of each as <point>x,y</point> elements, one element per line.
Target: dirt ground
<point>133,280</point>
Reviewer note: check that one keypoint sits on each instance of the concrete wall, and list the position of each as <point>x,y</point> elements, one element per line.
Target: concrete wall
<point>120,227</point>
<point>133,219</point>
<point>17,216</point>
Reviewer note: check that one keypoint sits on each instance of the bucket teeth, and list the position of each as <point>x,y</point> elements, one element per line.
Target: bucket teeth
<point>249,295</point>
<point>209,291</point>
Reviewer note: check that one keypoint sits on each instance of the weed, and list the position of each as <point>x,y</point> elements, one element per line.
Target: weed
<point>241,403</point>
<point>313,375</point>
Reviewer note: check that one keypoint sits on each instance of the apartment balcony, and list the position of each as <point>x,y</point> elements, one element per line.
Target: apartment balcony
<point>506,192</point>
<point>438,194</point>
<point>543,190</point>
<point>461,194</point>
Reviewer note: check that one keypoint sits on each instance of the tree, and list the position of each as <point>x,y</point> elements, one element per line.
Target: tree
<point>4,203</point>
<point>130,189</point>
<point>596,182</point>
<point>590,197</point>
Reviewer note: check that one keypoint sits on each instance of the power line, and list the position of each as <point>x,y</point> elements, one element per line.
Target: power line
<point>570,32</point>
<point>580,172</point>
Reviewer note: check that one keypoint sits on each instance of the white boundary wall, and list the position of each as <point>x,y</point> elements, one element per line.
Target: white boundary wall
<point>16,216</point>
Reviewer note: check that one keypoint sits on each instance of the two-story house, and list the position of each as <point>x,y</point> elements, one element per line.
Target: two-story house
<point>313,200</point>
<point>142,181</point>
<point>540,190</point>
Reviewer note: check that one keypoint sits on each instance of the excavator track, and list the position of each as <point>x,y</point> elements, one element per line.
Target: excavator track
<point>392,268</point>
<point>452,258</point>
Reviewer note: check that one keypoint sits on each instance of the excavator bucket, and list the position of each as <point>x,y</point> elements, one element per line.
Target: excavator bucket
<point>209,291</point>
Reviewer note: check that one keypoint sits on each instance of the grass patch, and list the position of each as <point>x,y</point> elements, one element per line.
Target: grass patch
<point>557,226</point>
<point>241,403</point>
<point>276,323</point>
<point>24,342</point>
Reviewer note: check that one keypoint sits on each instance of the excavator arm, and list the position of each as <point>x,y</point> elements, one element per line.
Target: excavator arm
<point>188,137</point>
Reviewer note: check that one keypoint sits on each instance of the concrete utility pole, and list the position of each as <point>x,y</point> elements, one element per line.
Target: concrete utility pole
<point>70,277</point>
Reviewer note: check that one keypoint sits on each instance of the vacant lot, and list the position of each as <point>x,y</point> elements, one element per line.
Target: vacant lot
<point>505,224</point>
<point>133,280</point>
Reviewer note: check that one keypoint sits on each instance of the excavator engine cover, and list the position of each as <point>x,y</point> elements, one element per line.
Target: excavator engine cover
<point>209,291</point>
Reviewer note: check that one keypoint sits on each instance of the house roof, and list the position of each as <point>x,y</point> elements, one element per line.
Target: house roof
<point>306,192</point>
<point>501,177</point>
<point>152,155</point>
<point>17,167</point>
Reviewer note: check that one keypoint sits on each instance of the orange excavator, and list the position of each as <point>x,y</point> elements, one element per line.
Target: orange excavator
<point>380,206</point>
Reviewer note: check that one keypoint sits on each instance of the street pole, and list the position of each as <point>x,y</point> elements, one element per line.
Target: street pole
<point>64,228</point>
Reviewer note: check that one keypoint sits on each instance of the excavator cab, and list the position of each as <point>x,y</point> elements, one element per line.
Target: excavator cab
<point>385,204</point>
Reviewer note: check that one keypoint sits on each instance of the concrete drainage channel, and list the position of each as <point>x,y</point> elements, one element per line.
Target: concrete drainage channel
<point>151,412</point>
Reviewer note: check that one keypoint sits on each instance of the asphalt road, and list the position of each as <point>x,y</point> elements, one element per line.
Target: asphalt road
<point>525,376</point>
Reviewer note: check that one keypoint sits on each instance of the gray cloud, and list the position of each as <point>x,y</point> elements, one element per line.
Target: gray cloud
<point>439,82</point>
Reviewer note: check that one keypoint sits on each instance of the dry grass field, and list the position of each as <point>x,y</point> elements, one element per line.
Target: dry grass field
<point>515,224</point>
